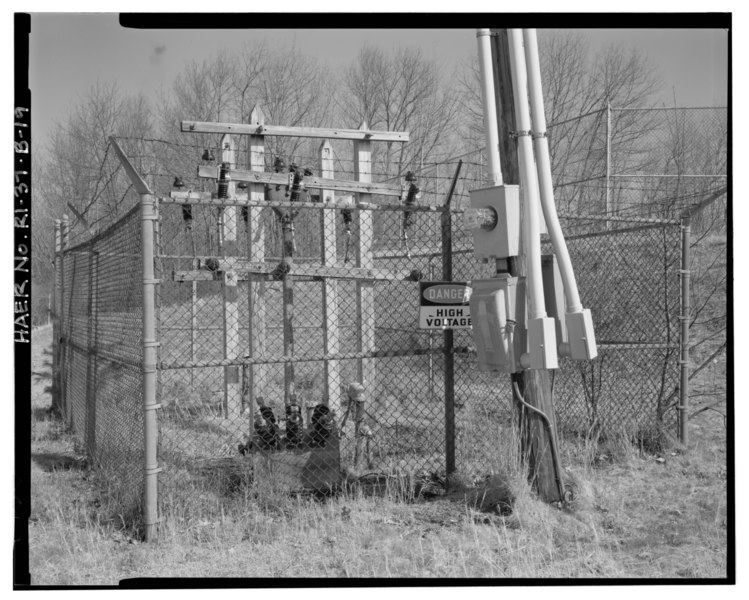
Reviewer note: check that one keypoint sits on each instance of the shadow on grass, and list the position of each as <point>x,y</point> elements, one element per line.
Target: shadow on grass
<point>52,461</point>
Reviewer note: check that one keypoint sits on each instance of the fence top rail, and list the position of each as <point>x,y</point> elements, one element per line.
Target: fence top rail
<point>309,132</point>
<point>615,232</point>
<point>620,219</point>
<point>105,232</point>
<point>671,108</point>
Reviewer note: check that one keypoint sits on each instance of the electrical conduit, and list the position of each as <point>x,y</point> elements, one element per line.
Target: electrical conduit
<point>531,229</point>
<point>543,166</point>
<point>490,115</point>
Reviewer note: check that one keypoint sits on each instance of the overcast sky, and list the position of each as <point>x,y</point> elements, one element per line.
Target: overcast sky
<point>68,52</point>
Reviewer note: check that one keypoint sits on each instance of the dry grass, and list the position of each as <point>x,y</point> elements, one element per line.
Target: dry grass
<point>635,515</point>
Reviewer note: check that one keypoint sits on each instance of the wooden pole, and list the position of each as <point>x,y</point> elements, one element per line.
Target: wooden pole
<point>534,384</point>
<point>329,243</point>
<point>256,289</point>
<point>232,385</point>
<point>289,378</point>
<point>365,309</point>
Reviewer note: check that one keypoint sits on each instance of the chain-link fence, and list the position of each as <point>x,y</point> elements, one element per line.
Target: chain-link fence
<point>642,162</point>
<point>287,322</point>
<point>99,319</point>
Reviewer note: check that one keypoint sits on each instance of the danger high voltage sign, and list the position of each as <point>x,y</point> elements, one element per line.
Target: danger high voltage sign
<point>444,305</point>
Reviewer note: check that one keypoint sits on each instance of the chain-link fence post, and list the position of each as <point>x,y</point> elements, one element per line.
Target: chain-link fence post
<point>150,433</point>
<point>449,340</point>
<point>608,163</point>
<point>64,323</point>
<point>684,341</point>
<point>56,300</point>
<point>93,261</point>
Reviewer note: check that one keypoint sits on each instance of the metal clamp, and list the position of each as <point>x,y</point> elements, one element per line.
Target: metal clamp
<point>536,136</point>
<point>153,407</point>
<point>517,134</point>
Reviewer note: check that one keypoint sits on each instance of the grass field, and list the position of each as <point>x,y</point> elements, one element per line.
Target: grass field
<point>636,515</point>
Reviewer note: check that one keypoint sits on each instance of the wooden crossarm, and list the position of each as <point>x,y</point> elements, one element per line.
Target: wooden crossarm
<point>307,132</point>
<point>211,172</point>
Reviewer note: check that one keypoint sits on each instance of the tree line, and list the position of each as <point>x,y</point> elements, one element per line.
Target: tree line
<point>75,171</point>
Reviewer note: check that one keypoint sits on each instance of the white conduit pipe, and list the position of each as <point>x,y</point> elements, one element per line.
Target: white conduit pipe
<point>490,112</point>
<point>531,229</point>
<point>543,166</point>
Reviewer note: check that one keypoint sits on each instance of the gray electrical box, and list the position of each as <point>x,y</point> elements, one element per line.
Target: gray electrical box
<point>493,318</point>
<point>503,239</point>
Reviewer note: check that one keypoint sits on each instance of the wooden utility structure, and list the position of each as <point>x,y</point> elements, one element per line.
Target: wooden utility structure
<point>256,270</point>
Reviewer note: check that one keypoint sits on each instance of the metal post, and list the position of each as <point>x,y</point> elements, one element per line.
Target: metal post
<point>608,162</point>
<point>56,301</point>
<point>431,345</point>
<point>65,232</point>
<point>150,423</point>
<point>193,328</point>
<point>93,285</point>
<point>447,275</point>
<point>684,342</point>
<point>150,343</point>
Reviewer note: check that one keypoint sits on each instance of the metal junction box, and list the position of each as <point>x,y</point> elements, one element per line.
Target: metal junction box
<point>492,305</point>
<point>503,239</point>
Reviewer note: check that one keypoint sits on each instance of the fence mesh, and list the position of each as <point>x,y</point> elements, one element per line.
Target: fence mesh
<point>102,354</point>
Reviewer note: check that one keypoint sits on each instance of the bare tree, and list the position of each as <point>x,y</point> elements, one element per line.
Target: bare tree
<point>400,92</point>
<point>80,175</point>
<point>577,87</point>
